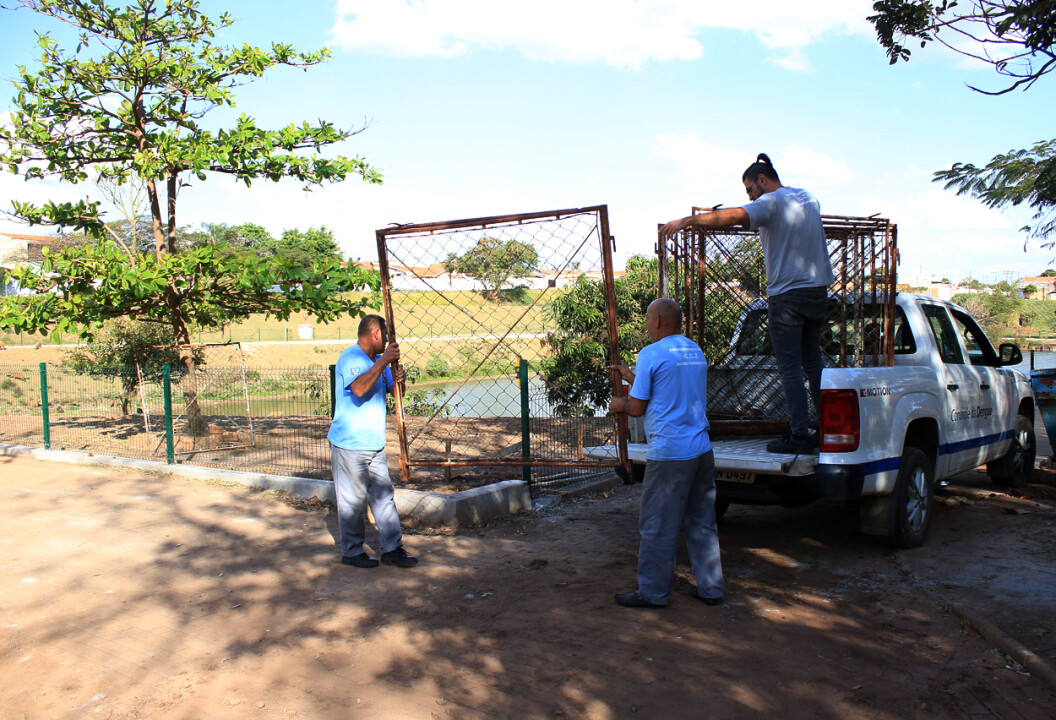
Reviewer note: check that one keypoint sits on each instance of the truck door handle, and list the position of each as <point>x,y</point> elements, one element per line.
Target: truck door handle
<point>952,386</point>
<point>984,386</point>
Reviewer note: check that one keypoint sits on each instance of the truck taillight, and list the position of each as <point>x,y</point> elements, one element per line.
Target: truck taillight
<point>840,427</point>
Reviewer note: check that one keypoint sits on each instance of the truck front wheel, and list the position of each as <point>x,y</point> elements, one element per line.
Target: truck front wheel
<point>914,495</point>
<point>1017,466</point>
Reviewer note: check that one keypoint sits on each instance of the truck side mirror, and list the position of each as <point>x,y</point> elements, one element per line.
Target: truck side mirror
<point>1010,354</point>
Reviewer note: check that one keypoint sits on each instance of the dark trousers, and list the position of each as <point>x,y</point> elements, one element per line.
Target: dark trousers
<point>797,318</point>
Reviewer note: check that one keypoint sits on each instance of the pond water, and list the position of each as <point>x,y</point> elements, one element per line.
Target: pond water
<point>490,397</point>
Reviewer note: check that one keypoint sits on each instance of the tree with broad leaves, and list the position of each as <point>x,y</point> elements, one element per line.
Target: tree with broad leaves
<point>493,261</point>
<point>128,104</point>
<point>1016,37</point>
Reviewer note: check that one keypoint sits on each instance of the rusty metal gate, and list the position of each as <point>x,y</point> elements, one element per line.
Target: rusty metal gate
<point>719,279</point>
<point>466,300</point>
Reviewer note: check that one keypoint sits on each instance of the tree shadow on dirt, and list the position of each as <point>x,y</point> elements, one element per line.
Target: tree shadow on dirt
<point>513,620</point>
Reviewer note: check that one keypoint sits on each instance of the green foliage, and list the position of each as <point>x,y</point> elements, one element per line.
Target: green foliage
<point>1030,289</point>
<point>1050,272</point>
<point>120,345</point>
<point>576,373</point>
<point>1014,178</point>
<point>128,101</point>
<point>1016,37</point>
<point>994,311</point>
<point>79,288</point>
<point>126,105</point>
<point>493,262</point>
<point>422,403</point>
<point>437,367</point>
<point>246,235</point>
<point>307,247</point>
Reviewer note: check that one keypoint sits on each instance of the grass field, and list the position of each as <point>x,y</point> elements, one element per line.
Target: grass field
<point>426,324</point>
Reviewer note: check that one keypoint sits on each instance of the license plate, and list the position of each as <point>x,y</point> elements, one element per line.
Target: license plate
<point>737,476</point>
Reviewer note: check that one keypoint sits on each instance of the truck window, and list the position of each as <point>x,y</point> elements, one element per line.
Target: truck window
<point>755,335</point>
<point>945,335</point>
<point>980,351</point>
<point>904,344</point>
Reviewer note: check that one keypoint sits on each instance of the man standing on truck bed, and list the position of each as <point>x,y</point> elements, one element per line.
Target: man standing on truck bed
<point>798,274</point>
<point>670,389</point>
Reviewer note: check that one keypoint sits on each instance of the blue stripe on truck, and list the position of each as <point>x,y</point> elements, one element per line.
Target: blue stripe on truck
<point>893,463</point>
<point>951,448</point>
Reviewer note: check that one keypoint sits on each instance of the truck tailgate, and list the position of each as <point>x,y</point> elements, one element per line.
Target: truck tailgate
<point>744,455</point>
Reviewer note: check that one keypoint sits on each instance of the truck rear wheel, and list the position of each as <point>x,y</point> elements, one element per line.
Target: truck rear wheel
<point>914,489</point>
<point>1017,466</point>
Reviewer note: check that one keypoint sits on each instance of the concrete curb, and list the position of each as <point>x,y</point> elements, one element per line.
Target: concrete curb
<point>416,507</point>
<point>1030,661</point>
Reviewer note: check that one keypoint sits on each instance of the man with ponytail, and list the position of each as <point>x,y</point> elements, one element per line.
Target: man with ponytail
<point>798,274</point>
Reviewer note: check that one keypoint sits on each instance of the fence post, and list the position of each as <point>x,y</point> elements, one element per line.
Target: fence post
<point>333,388</point>
<point>44,405</point>
<point>166,384</point>
<point>526,449</point>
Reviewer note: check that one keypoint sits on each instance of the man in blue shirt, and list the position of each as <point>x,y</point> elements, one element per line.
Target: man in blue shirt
<point>357,448</point>
<point>670,387</point>
<point>798,273</point>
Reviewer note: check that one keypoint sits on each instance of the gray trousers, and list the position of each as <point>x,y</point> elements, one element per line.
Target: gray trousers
<point>361,478</point>
<point>678,495</point>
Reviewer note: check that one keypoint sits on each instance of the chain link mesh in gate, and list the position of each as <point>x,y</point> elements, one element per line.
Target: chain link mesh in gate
<point>466,302</point>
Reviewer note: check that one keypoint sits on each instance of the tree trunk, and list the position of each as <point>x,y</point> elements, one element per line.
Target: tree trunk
<point>196,426</point>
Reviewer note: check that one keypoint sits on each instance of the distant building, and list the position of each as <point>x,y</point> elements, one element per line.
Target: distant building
<point>21,249</point>
<point>1046,288</point>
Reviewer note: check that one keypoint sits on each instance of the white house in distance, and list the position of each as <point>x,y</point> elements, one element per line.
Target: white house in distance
<point>1046,287</point>
<point>21,249</point>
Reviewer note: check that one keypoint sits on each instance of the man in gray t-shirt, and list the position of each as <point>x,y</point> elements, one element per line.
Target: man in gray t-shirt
<point>798,274</point>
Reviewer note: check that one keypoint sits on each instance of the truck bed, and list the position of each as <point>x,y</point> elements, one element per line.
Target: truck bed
<point>742,455</point>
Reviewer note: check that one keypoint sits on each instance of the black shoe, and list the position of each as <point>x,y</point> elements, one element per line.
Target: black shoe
<point>793,444</point>
<point>361,561</point>
<point>633,599</point>
<point>398,558</point>
<point>708,601</point>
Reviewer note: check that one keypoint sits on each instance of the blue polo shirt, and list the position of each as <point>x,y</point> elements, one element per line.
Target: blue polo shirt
<point>672,376</point>
<point>359,422</point>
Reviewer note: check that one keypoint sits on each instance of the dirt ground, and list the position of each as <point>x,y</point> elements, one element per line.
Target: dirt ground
<point>133,595</point>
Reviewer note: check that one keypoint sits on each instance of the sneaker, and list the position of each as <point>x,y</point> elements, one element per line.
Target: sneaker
<point>361,561</point>
<point>398,558</point>
<point>713,601</point>
<point>635,600</point>
<point>793,444</point>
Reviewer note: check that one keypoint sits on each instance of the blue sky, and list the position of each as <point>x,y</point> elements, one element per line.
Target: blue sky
<point>649,106</point>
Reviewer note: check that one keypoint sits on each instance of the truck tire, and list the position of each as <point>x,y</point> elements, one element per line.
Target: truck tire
<point>1017,466</point>
<point>914,489</point>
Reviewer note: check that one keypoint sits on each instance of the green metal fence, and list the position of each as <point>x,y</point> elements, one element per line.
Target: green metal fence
<point>269,420</point>
<point>274,422</point>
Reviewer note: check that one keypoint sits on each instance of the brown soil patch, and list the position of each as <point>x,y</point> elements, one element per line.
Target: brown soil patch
<point>146,596</point>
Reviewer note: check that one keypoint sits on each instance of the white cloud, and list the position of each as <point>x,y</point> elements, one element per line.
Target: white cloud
<point>708,170</point>
<point>623,33</point>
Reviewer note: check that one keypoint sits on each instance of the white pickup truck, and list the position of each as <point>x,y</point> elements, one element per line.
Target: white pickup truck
<point>888,433</point>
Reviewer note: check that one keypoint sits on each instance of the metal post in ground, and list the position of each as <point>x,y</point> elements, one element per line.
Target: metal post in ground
<point>526,446</point>
<point>333,388</point>
<point>44,405</point>
<point>166,384</point>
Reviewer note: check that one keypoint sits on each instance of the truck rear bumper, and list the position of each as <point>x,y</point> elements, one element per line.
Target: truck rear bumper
<point>841,482</point>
